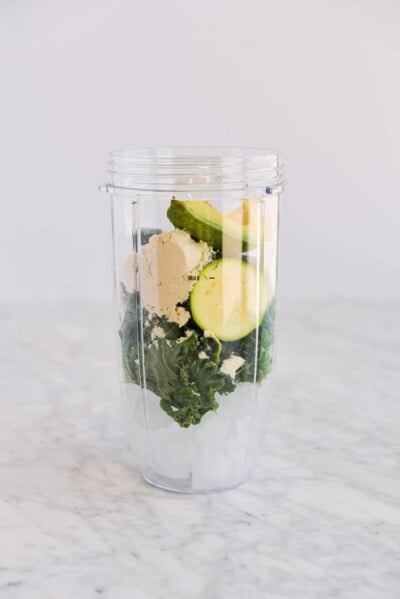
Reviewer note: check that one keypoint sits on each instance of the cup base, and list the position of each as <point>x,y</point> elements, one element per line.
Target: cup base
<point>185,486</point>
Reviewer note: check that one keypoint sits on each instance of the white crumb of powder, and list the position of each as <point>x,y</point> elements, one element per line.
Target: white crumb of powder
<point>203,355</point>
<point>210,334</point>
<point>187,334</point>
<point>230,365</point>
<point>157,332</point>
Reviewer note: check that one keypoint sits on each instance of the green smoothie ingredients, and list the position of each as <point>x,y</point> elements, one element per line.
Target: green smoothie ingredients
<point>202,320</point>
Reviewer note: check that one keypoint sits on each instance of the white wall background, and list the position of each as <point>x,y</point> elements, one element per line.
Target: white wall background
<point>317,78</point>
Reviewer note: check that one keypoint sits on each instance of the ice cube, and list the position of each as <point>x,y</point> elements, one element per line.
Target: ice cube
<point>240,403</point>
<point>172,450</point>
<point>213,470</point>
<point>132,412</point>
<point>213,429</point>
<point>241,441</point>
<point>156,416</point>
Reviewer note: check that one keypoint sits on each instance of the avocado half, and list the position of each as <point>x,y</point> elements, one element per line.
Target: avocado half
<point>205,223</point>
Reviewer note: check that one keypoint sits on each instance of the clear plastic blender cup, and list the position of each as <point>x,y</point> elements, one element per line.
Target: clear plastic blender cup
<point>195,237</point>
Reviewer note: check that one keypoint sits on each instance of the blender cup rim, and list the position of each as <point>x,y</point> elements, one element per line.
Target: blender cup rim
<point>191,168</point>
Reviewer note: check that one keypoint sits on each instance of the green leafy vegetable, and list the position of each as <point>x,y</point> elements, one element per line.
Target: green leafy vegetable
<point>185,383</point>
<point>254,349</point>
<point>173,370</point>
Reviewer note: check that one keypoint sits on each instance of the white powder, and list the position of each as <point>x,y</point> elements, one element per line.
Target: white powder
<point>171,263</point>
<point>210,334</point>
<point>157,332</point>
<point>231,365</point>
<point>188,334</point>
<point>128,273</point>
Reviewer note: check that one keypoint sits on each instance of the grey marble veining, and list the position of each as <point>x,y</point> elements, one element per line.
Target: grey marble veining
<point>320,519</point>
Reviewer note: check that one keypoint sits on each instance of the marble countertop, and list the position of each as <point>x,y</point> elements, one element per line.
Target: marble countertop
<point>320,519</point>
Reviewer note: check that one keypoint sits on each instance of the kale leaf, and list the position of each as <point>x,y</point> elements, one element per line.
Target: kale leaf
<point>257,353</point>
<point>185,383</point>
